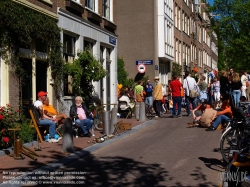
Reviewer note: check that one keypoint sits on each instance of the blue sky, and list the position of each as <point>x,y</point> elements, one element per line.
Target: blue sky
<point>211,2</point>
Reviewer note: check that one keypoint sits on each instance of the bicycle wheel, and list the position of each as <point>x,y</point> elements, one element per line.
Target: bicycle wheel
<point>228,143</point>
<point>98,123</point>
<point>149,114</point>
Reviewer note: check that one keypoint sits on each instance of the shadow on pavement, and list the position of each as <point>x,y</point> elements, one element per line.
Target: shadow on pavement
<point>213,163</point>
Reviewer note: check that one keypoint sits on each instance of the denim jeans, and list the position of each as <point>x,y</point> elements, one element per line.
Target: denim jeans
<point>221,119</point>
<point>86,124</point>
<point>177,100</point>
<point>51,124</point>
<point>236,95</point>
<point>193,101</point>
<point>149,100</point>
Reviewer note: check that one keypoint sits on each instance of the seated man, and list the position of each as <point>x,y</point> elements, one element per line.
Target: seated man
<point>223,116</point>
<point>202,107</point>
<point>198,111</point>
<point>80,112</point>
<point>44,119</point>
<point>49,110</point>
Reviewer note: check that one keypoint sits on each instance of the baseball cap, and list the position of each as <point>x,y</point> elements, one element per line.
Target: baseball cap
<point>42,93</point>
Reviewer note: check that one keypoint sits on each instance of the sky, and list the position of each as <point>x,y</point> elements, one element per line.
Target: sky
<point>211,2</point>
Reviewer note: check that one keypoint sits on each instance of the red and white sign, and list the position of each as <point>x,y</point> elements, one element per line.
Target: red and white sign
<point>141,68</point>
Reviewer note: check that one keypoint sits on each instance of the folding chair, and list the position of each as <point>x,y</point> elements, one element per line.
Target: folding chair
<point>34,122</point>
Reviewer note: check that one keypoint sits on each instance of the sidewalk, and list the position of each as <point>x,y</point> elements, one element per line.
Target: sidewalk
<point>51,152</point>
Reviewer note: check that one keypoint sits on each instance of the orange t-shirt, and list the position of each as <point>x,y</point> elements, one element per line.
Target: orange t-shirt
<point>50,109</point>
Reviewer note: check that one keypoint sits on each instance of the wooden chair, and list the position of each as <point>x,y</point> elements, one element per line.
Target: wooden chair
<point>34,123</point>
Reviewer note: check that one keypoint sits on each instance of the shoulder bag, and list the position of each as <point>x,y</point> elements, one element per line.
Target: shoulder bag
<point>192,93</point>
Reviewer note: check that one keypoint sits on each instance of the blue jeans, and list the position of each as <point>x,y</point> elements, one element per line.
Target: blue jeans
<point>149,100</point>
<point>51,124</point>
<point>177,100</point>
<point>236,94</point>
<point>193,101</point>
<point>86,124</point>
<point>221,119</point>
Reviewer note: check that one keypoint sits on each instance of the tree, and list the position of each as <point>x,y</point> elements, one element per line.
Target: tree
<point>231,23</point>
<point>121,72</point>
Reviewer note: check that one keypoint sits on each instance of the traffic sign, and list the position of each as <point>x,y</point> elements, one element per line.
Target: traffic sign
<point>141,68</point>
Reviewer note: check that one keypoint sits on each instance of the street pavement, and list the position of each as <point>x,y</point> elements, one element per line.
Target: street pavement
<point>161,152</point>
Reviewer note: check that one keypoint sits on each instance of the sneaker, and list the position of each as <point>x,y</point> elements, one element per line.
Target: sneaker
<point>211,128</point>
<point>179,116</point>
<point>53,140</point>
<point>189,115</point>
<point>59,138</point>
<point>156,116</point>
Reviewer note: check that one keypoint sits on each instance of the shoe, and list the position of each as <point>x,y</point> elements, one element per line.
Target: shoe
<point>179,116</point>
<point>59,138</point>
<point>156,116</point>
<point>53,140</point>
<point>189,115</point>
<point>211,128</point>
<point>87,135</point>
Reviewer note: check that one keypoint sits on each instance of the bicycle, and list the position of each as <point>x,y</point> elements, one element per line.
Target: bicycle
<point>149,112</point>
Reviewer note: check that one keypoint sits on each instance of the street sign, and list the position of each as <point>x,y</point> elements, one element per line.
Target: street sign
<point>141,68</point>
<point>146,62</point>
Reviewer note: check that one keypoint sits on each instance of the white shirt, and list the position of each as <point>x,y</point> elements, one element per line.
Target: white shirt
<point>189,84</point>
<point>38,103</point>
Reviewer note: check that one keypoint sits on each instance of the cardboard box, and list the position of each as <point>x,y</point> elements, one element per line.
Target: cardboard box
<point>126,126</point>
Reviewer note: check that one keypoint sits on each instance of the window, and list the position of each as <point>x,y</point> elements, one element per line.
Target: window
<point>90,4</point>
<point>69,44</point>
<point>106,9</point>
<point>88,45</point>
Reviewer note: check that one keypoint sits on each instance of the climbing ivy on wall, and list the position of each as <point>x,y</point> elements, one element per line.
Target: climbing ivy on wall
<point>21,26</point>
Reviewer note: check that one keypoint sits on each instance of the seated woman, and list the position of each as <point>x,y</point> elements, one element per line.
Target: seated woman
<point>49,110</point>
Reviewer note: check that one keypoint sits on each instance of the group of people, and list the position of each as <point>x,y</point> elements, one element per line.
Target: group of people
<point>152,95</point>
<point>48,115</point>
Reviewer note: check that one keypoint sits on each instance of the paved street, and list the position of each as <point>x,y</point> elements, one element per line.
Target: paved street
<point>165,153</point>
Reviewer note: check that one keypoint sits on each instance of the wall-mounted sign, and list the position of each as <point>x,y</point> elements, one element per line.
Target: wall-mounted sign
<point>141,68</point>
<point>146,62</point>
<point>156,67</point>
<point>112,40</point>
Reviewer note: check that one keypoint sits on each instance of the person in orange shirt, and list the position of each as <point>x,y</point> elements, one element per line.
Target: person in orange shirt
<point>223,116</point>
<point>49,110</point>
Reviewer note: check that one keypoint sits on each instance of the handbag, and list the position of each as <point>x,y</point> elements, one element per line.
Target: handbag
<point>247,84</point>
<point>192,93</point>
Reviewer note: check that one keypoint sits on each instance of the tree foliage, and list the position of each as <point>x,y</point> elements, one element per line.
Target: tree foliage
<point>232,23</point>
<point>177,69</point>
<point>121,72</point>
<point>85,69</point>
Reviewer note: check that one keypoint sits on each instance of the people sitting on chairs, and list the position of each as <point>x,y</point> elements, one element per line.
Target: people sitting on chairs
<point>80,112</point>
<point>44,119</point>
<point>49,110</point>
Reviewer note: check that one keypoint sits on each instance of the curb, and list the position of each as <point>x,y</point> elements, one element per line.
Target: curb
<point>51,167</point>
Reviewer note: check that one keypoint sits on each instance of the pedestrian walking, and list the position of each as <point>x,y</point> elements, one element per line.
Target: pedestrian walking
<point>157,93</point>
<point>189,84</point>
<point>176,87</point>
